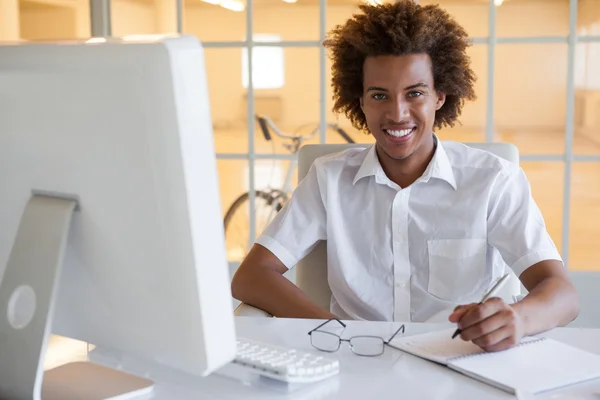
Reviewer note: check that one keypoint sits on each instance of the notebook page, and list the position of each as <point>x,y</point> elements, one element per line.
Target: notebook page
<point>436,346</point>
<point>532,367</point>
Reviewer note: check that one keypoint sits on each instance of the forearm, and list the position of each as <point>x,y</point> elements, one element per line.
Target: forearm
<point>272,292</point>
<point>551,303</point>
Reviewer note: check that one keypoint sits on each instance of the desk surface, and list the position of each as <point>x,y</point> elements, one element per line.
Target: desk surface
<point>391,375</point>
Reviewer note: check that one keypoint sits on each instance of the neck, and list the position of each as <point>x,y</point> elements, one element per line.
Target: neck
<point>406,171</point>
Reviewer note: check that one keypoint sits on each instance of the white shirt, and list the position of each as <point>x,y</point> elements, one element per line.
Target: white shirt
<point>405,254</point>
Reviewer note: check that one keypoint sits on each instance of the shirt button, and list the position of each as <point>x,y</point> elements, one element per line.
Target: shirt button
<point>401,284</point>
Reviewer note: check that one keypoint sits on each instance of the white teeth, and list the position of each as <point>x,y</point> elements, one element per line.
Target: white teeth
<point>401,133</point>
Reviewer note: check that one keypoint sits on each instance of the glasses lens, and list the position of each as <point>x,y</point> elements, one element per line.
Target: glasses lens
<point>325,341</point>
<point>367,345</point>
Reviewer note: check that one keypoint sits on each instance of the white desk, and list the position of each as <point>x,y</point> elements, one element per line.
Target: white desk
<point>394,375</point>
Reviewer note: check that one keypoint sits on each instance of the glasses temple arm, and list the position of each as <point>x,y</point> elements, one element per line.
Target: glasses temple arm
<point>394,335</point>
<point>326,322</point>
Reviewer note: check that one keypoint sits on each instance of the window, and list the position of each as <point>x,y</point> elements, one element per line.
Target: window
<point>267,64</point>
<point>559,145</point>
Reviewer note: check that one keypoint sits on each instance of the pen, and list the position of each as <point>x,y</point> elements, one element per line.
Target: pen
<point>489,294</point>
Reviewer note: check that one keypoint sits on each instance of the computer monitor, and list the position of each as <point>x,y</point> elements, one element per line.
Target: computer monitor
<point>119,129</point>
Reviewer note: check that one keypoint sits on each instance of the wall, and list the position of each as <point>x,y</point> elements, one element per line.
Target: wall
<point>9,20</point>
<point>531,79</point>
<point>530,82</point>
<point>587,76</point>
<point>300,95</point>
<point>588,54</point>
<point>132,17</point>
<point>589,16</point>
<point>48,22</point>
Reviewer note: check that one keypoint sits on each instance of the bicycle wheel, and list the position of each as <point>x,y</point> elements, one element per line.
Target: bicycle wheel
<point>237,220</point>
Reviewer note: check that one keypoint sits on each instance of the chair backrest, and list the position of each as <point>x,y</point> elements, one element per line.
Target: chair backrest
<point>311,271</point>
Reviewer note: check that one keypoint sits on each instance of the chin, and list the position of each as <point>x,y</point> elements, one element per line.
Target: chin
<point>394,152</point>
<point>400,155</point>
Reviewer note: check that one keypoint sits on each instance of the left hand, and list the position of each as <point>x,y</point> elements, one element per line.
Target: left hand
<point>493,325</point>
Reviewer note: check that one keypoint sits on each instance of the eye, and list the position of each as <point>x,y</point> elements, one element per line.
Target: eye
<point>378,96</point>
<point>414,94</point>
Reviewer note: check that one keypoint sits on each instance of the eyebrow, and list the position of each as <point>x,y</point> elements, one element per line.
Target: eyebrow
<point>416,85</point>
<point>380,89</point>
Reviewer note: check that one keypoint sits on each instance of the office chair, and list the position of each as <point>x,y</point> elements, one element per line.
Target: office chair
<point>311,271</point>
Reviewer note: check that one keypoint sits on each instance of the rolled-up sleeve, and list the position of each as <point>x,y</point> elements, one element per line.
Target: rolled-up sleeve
<point>516,227</point>
<point>301,223</point>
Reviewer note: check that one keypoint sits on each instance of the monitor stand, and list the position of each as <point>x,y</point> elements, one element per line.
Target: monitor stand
<point>27,301</point>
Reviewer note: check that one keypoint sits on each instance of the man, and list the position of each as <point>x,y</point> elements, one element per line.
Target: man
<point>413,227</point>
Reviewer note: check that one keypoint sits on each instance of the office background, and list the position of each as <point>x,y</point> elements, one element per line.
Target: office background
<point>537,62</point>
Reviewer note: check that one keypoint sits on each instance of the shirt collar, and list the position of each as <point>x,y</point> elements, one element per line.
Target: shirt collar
<point>369,166</point>
<point>438,168</point>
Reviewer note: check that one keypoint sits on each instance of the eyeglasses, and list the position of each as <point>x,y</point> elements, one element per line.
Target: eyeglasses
<point>368,346</point>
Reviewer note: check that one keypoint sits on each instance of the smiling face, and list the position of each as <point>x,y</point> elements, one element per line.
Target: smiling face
<point>399,101</point>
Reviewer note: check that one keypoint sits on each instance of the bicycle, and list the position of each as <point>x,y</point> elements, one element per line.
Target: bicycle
<point>268,201</point>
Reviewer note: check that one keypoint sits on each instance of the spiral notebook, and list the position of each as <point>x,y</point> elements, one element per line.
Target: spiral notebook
<point>536,365</point>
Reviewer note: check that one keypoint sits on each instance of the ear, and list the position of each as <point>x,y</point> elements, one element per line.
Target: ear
<point>440,100</point>
<point>360,99</point>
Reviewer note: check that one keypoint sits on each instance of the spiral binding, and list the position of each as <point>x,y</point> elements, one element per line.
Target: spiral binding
<point>536,340</point>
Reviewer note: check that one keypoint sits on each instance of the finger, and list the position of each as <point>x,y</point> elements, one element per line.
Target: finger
<point>481,312</point>
<point>488,325</point>
<point>493,339</point>
<point>457,314</point>
<point>464,306</point>
<point>503,344</point>
<point>460,311</point>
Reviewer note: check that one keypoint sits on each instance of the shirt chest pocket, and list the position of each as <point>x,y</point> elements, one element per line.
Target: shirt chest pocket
<point>457,268</point>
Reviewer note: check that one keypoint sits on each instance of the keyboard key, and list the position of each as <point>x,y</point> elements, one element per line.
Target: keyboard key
<point>285,364</point>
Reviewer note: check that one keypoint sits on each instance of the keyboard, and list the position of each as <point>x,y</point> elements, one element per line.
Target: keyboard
<point>283,363</point>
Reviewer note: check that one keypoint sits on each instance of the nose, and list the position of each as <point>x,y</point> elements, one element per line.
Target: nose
<point>398,110</point>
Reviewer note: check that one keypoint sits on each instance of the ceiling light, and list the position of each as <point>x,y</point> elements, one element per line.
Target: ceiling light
<point>232,5</point>
<point>215,2</point>
<point>498,2</point>
<point>290,1</point>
